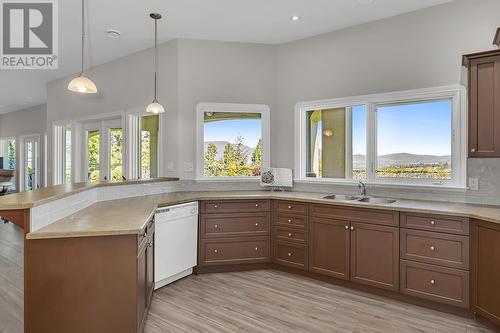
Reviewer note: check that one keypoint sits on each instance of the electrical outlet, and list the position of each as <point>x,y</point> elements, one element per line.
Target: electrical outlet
<point>188,167</point>
<point>474,184</point>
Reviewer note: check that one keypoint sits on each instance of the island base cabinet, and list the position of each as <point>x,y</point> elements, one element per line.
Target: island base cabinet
<point>375,255</point>
<point>485,270</point>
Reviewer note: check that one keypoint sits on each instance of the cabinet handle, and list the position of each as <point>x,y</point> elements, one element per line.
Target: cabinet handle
<point>473,150</point>
<point>216,226</point>
<point>216,251</point>
<point>289,206</point>
<point>352,228</point>
<point>289,254</point>
<point>432,248</point>
<point>346,227</point>
<point>433,222</point>
<point>433,281</point>
<point>289,234</point>
<point>150,244</point>
<point>289,221</point>
<point>145,235</point>
<point>216,206</point>
<point>256,224</point>
<point>257,205</point>
<point>256,249</point>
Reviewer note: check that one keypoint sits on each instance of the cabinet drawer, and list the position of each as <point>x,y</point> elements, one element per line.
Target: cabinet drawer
<point>235,206</point>
<point>444,285</point>
<point>290,234</point>
<point>440,223</point>
<point>234,250</point>
<point>435,248</point>
<point>291,207</point>
<point>228,225</point>
<point>289,254</point>
<point>291,221</point>
<point>374,216</point>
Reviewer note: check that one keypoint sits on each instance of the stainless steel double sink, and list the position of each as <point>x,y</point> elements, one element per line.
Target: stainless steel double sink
<point>374,200</point>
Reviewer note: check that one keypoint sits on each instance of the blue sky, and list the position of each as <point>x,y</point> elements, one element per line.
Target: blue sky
<point>228,130</point>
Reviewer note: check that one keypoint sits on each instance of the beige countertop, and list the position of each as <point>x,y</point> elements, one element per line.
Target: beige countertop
<point>38,197</point>
<point>129,216</point>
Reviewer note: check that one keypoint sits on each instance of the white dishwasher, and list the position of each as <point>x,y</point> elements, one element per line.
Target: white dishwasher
<point>176,242</point>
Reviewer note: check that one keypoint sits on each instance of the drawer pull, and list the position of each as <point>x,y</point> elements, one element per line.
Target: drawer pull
<point>256,224</point>
<point>257,205</point>
<point>216,206</point>
<point>352,228</point>
<point>289,254</point>
<point>289,206</point>
<point>289,221</point>
<point>289,234</point>
<point>432,248</point>
<point>346,227</point>
<point>216,251</point>
<point>433,281</point>
<point>433,222</point>
<point>256,249</point>
<point>473,150</point>
<point>216,226</point>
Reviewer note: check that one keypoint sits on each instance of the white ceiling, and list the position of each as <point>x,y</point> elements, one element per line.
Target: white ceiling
<point>257,21</point>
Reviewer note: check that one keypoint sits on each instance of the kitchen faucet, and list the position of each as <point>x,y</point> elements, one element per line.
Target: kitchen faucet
<point>362,189</point>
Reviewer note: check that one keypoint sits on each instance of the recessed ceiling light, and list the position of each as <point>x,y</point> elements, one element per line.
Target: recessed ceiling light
<point>295,18</point>
<point>113,33</point>
<point>365,2</point>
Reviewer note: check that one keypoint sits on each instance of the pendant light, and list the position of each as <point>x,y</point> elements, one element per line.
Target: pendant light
<point>82,84</point>
<point>155,107</point>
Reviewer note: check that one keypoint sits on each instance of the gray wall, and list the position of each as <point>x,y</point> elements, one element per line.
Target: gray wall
<point>25,122</point>
<point>414,50</point>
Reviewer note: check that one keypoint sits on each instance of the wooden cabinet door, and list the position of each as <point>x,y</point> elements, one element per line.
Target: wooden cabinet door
<point>485,259</point>
<point>329,247</point>
<point>150,262</point>
<point>141,285</point>
<point>375,255</point>
<point>484,107</point>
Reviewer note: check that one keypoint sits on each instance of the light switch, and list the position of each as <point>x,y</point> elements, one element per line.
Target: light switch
<point>188,167</point>
<point>474,184</point>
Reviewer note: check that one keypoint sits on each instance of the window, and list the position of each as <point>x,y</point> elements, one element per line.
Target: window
<point>8,152</point>
<point>148,146</point>
<point>116,152</point>
<point>336,143</point>
<point>405,138</point>
<point>66,154</point>
<point>93,155</point>
<point>233,140</point>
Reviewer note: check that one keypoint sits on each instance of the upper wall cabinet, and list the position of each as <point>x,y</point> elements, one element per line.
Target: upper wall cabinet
<point>484,103</point>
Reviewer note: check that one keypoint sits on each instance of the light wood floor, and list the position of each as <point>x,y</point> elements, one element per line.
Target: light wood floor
<point>257,301</point>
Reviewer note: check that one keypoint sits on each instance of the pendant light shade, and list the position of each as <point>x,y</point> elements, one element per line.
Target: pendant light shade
<point>155,107</point>
<point>82,84</point>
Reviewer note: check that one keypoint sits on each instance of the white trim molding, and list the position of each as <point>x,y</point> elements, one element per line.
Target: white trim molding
<point>201,108</point>
<point>455,93</point>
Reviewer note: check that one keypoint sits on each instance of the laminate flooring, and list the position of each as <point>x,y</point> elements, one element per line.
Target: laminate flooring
<point>255,301</point>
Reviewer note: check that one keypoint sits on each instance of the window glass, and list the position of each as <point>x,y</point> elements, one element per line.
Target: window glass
<point>336,143</point>
<point>148,137</point>
<point>66,154</point>
<point>414,140</point>
<point>116,149</point>
<point>93,142</point>
<point>232,144</point>
<point>11,154</point>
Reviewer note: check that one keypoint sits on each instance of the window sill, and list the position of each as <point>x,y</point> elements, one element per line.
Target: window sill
<point>229,179</point>
<point>348,182</point>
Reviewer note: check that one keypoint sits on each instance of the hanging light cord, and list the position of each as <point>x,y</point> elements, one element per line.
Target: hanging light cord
<point>156,55</point>
<point>83,31</point>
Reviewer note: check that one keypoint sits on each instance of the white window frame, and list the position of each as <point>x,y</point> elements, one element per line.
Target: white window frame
<point>3,153</point>
<point>58,151</point>
<point>201,108</point>
<point>458,140</point>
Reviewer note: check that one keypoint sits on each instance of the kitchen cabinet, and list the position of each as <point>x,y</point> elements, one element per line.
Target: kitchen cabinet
<point>142,299</point>
<point>375,255</point>
<point>484,103</point>
<point>485,270</point>
<point>329,247</point>
<point>150,262</point>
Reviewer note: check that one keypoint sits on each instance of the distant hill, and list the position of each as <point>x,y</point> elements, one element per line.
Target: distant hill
<point>222,144</point>
<point>402,159</point>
